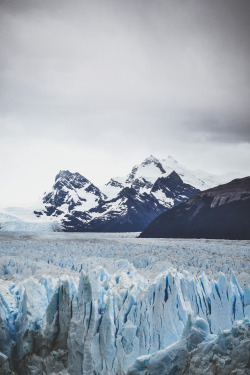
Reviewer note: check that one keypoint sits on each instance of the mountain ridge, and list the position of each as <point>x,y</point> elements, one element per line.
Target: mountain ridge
<point>130,210</point>
<point>127,203</point>
<point>222,212</point>
<point>140,197</point>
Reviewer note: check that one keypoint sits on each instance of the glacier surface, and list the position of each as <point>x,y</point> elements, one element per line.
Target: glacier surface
<point>69,304</point>
<point>198,352</point>
<point>24,254</point>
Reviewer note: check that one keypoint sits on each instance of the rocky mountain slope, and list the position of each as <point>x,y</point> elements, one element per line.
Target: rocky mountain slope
<point>124,204</point>
<point>144,175</point>
<point>220,212</point>
<point>71,191</point>
<point>128,205</point>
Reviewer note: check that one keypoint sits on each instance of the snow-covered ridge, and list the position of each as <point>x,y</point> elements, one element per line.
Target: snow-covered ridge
<point>127,203</point>
<point>152,168</point>
<point>71,190</point>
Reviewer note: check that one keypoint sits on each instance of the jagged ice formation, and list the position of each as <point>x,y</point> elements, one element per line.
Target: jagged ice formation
<point>99,323</point>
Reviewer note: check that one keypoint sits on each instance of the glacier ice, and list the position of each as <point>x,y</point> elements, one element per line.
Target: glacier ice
<point>72,304</point>
<point>99,322</point>
<point>199,352</point>
<point>24,255</point>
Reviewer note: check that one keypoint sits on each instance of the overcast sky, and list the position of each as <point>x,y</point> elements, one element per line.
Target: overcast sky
<point>97,86</point>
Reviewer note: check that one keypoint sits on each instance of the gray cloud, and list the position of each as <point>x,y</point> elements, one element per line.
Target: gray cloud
<point>107,76</point>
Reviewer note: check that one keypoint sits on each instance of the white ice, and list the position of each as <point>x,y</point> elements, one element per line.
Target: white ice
<point>94,303</point>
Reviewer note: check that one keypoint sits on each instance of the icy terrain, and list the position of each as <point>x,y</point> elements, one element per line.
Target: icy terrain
<point>24,255</point>
<point>22,219</point>
<point>93,303</point>
<point>198,352</point>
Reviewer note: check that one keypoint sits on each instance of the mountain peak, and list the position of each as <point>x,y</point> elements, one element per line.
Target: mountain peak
<point>63,174</point>
<point>69,175</point>
<point>173,176</point>
<point>65,178</point>
<point>151,159</point>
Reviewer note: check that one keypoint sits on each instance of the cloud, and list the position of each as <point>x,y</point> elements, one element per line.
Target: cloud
<point>123,79</point>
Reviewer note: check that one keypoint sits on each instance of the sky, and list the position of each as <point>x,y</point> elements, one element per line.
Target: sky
<point>97,86</point>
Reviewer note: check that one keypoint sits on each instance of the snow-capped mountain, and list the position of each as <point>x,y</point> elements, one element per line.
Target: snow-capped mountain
<point>143,176</point>
<point>70,192</point>
<point>81,206</point>
<point>127,203</point>
<point>132,208</point>
<point>220,212</point>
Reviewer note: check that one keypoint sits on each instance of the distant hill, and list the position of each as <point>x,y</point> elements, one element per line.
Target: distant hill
<point>222,212</point>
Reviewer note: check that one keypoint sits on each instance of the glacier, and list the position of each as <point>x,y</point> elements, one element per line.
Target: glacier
<point>72,304</point>
<point>102,323</point>
<point>198,352</point>
<point>25,254</point>
<point>22,219</point>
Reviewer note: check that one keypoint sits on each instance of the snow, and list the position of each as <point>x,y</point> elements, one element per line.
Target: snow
<point>151,169</point>
<point>23,219</point>
<point>197,178</point>
<point>113,187</point>
<point>161,197</point>
<point>89,200</point>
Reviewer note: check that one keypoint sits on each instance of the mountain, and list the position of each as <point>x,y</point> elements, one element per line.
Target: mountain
<point>143,176</point>
<point>222,212</point>
<point>127,203</point>
<point>71,196</point>
<point>133,208</point>
<point>81,206</point>
<point>70,192</point>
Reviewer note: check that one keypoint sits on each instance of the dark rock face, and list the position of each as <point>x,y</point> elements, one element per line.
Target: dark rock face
<point>222,212</point>
<point>134,212</point>
<point>173,187</point>
<point>114,183</point>
<point>127,212</point>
